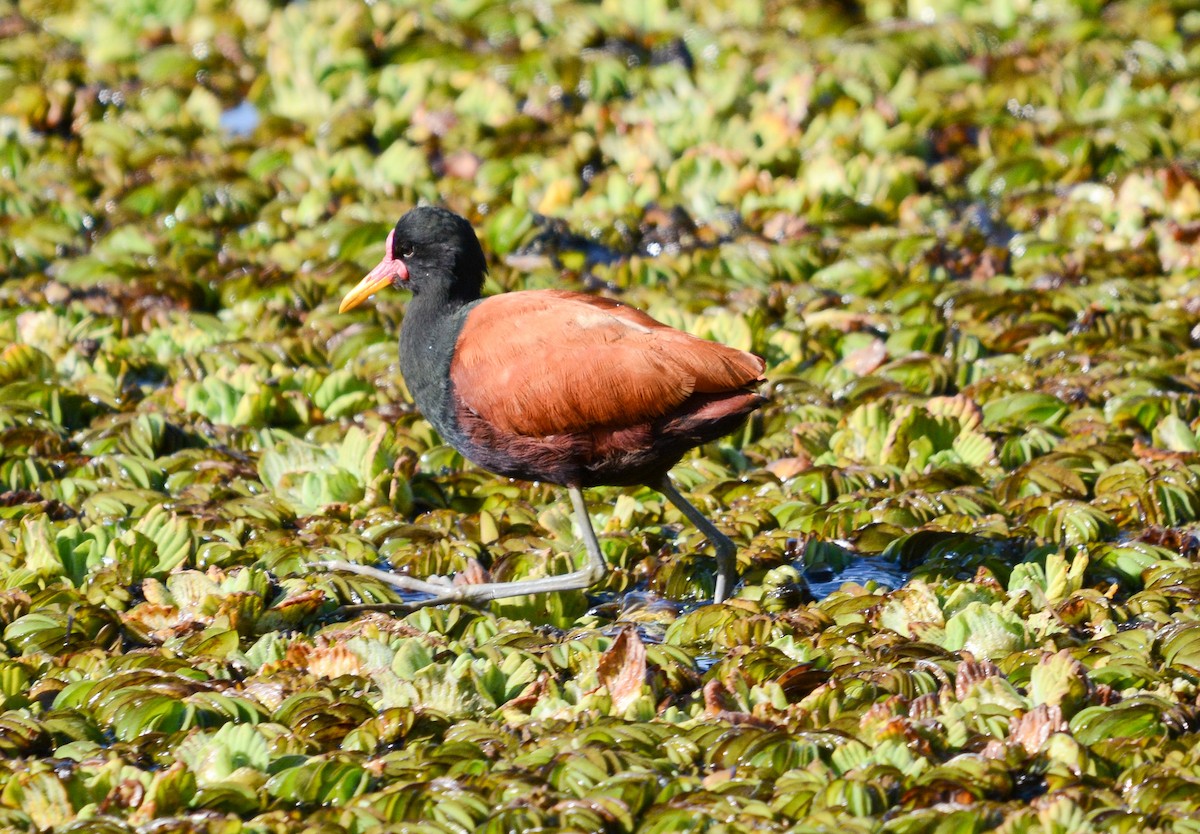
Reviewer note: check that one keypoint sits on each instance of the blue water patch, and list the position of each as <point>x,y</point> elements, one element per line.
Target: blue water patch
<point>240,120</point>
<point>860,570</point>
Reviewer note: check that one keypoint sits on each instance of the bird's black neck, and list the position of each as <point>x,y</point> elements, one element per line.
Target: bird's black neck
<point>432,322</point>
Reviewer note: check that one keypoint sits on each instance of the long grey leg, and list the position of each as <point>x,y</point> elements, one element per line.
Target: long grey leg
<point>722,544</point>
<point>586,577</point>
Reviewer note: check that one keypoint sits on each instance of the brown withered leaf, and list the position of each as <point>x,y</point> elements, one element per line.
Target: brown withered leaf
<point>1186,544</point>
<point>622,669</point>
<point>462,165</point>
<point>127,793</point>
<point>801,680</point>
<point>971,672</point>
<point>268,693</point>
<point>161,621</point>
<point>296,656</point>
<point>717,699</point>
<point>994,749</point>
<point>959,407</point>
<point>882,711</point>
<point>528,697</point>
<point>473,574</point>
<point>924,707</point>
<point>785,468</point>
<point>13,604</point>
<point>719,703</point>
<point>1033,728</point>
<point>866,359</point>
<point>333,661</point>
<point>292,611</point>
<point>785,226</point>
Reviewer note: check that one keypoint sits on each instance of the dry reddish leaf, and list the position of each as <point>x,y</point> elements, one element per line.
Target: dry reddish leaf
<point>333,662</point>
<point>1185,544</point>
<point>462,165</point>
<point>622,669</point>
<point>717,699</point>
<point>785,468</point>
<point>435,122</point>
<point>296,656</point>
<point>986,579</point>
<point>714,780</point>
<point>801,680</point>
<point>1033,728</point>
<point>155,618</point>
<point>882,711</point>
<point>528,697</point>
<point>924,707</point>
<point>127,793</point>
<point>994,749</point>
<point>784,226</point>
<point>267,693</point>
<point>473,574</point>
<point>373,623</point>
<point>1145,452</point>
<point>866,359</point>
<point>293,609</point>
<point>720,704</point>
<point>971,672</point>
<point>959,407</point>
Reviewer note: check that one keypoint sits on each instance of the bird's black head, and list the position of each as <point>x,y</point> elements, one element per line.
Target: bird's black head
<point>430,250</point>
<point>438,246</point>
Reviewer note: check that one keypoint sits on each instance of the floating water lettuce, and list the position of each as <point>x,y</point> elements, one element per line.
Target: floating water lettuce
<point>962,235</point>
<point>360,470</point>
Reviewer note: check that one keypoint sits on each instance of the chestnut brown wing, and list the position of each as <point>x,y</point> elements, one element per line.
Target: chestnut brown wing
<point>545,362</point>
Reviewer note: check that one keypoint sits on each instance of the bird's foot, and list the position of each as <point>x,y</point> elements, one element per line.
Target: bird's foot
<point>444,591</point>
<point>441,590</point>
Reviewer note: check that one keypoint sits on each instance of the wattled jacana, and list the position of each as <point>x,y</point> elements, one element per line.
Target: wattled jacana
<point>547,385</point>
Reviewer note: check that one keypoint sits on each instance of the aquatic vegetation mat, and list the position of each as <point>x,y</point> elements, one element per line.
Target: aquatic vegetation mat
<point>964,235</point>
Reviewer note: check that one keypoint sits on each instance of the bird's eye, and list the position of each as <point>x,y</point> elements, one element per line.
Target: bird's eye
<point>408,251</point>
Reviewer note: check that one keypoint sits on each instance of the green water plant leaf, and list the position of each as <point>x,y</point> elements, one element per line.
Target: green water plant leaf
<point>319,782</point>
<point>986,631</point>
<point>216,757</point>
<point>358,471</point>
<point>964,238</point>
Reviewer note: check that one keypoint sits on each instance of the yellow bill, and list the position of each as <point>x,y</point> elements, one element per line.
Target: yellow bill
<point>384,274</point>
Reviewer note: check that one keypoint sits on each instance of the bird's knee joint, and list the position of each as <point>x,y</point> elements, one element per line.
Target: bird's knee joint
<point>724,548</point>
<point>594,572</point>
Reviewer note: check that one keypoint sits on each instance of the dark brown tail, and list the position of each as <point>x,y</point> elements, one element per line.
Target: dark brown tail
<point>702,418</point>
